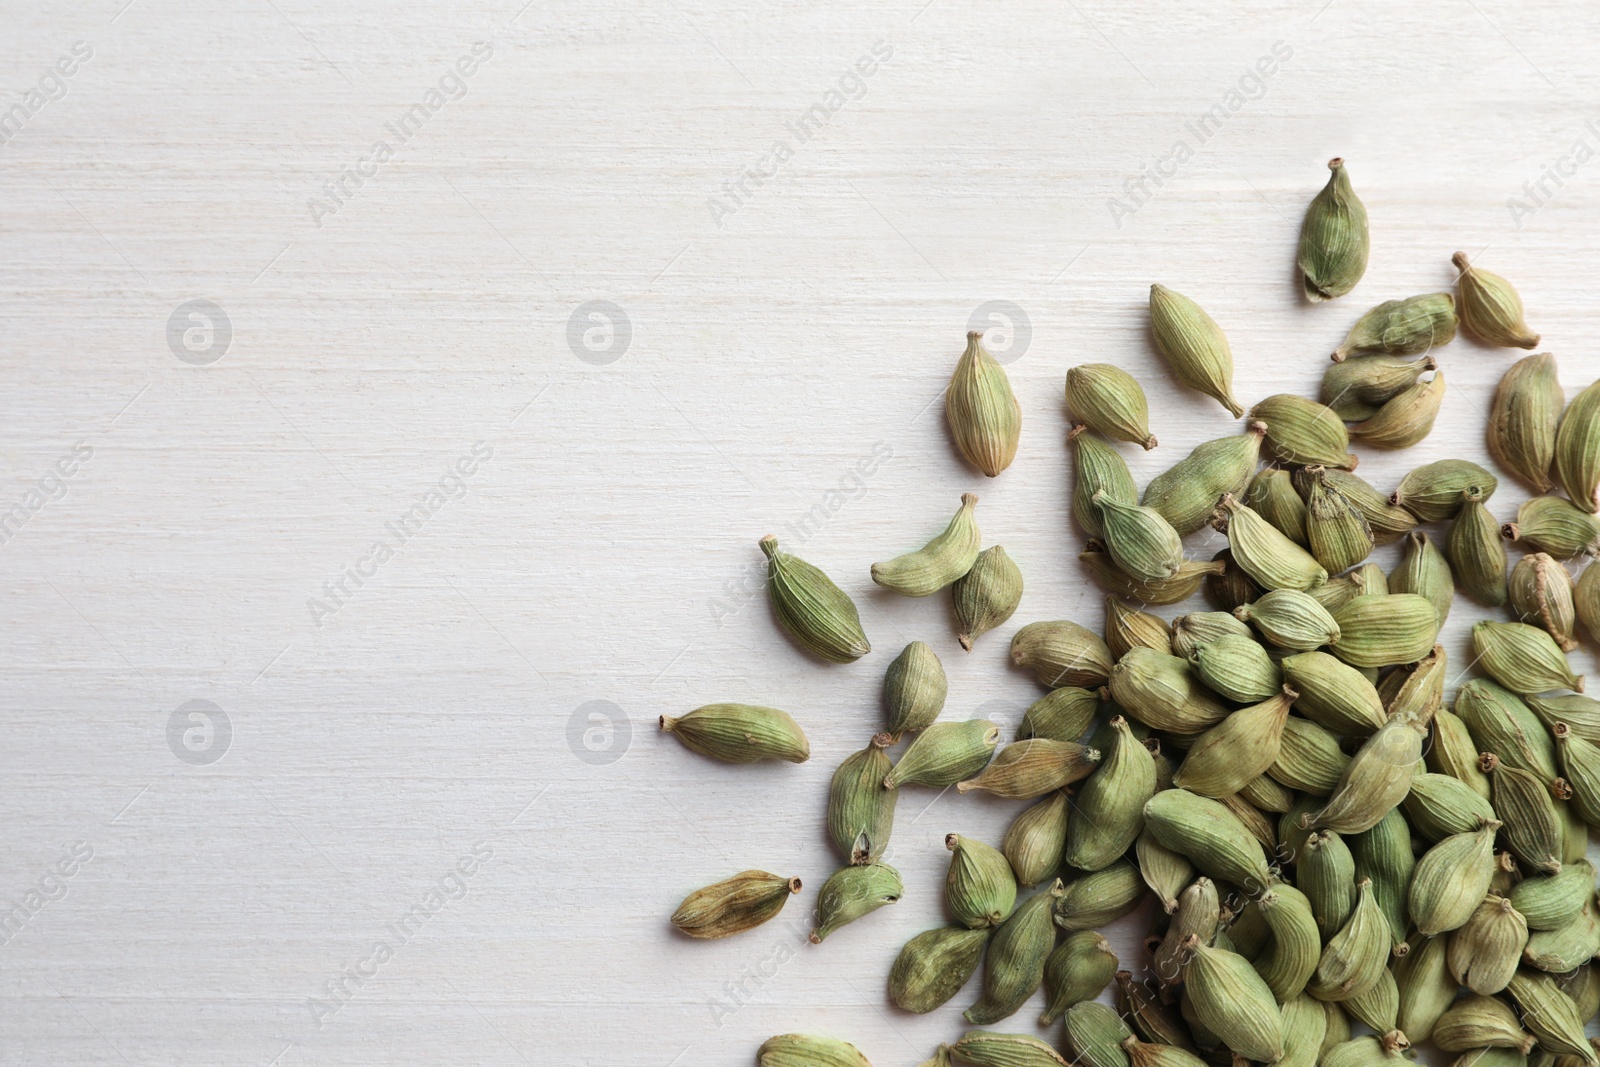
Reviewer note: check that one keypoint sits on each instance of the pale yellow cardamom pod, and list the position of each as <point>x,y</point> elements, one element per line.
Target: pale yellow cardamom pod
<point>985,418</point>
<point>939,562</point>
<point>1491,310</point>
<point>1193,345</point>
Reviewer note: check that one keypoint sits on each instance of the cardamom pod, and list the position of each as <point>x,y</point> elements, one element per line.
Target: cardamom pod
<point>1224,758</point>
<point>1586,600</point>
<point>1014,964</point>
<point>1580,713</point>
<point>1562,950</point>
<point>1333,238</point>
<point>1261,826</point>
<point>1272,495</point>
<point>1264,793</point>
<point>1161,692</point>
<point>1193,345</point>
<point>1097,467</point>
<point>1095,1035</point>
<point>1111,802</point>
<point>914,689</point>
<point>1524,417</point>
<point>1036,840</point>
<point>1337,532</point>
<point>740,733</point>
<point>1406,327</point>
<point>939,562</point>
<point>1143,1054</point>
<point>1326,869</point>
<point>944,754</point>
<point>1079,968</point>
<point>1433,492</point>
<point>1415,692</point>
<point>1383,855</point>
<point>1290,619</point>
<point>984,416</point>
<point>1338,591</point>
<point>1187,493</point>
<point>1451,879</point>
<point>1209,836</point>
<point>1060,715</point>
<point>734,905</point>
<point>853,892</point>
<point>1270,559</point>
<point>1550,1014</point>
<point>860,808</point>
<point>1406,419</point>
<point>1583,986</point>
<point>1062,653</point>
<point>1333,694</point>
<point>1551,901</point>
<point>1378,778</point>
<point>933,966</point>
<point>1198,914</point>
<point>1099,898</point>
<point>1228,585</point>
<point>1503,724</point>
<point>1577,454</point>
<point>1181,586</point>
<point>1142,543</point>
<point>818,614</point>
<point>1425,986</point>
<point>1533,830</point>
<point>1455,753</point>
<point>1440,806</point>
<point>1305,1025</point>
<point>1491,310</point>
<point>1233,1002</point>
<point>1540,591</point>
<point>1552,524</point>
<point>1378,631</point>
<point>1423,570</point>
<point>1237,668</point>
<point>1485,950</point>
<point>987,595</point>
<point>1389,521</point>
<point>1110,401</point>
<point>1290,957</point>
<point>1310,759</point>
<point>1143,1007</point>
<point>978,886</point>
<point>1522,658</point>
<point>988,1049</point>
<point>1580,762</point>
<point>1476,552</point>
<point>1197,629</point>
<point>1128,628</point>
<point>1480,1022</point>
<point>1357,388</point>
<point>1304,431</point>
<point>1166,872</point>
<point>1379,1006</point>
<point>808,1050</point>
<point>1032,768</point>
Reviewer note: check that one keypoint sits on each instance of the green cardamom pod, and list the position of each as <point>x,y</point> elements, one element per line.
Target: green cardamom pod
<point>1209,836</point>
<point>1272,495</point>
<point>939,562</point>
<point>1389,521</point>
<point>1455,753</point>
<point>1339,590</point>
<point>1032,768</point>
<point>808,1050</point>
<point>1186,494</point>
<point>914,689</point>
<point>1523,802</point>
<point>1390,1050</point>
<point>1378,631</point>
<point>1305,1026</point>
<point>1580,713</point>
<point>1476,552</point>
<point>984,416</point>
<point>1290,957</point>
<point>1237,668</point>
<point>1551,524</point>
<point>1036,840</point>
<point>1014,965</point>
<point>1501,723</point>
<point>1485,950</point>
<point>1110,401</point>
<point>1433,492</point>
<point>1193,345</point>
<point>1097,467</point>
<point>1451,879</point>
<point>1566,948</point>
<point>1268,795</point>
<point>1551,901</point>
<point>1062,653</point>
<point>1111,802</point>
<point>1333,238</point>
<point>1440,805</point>
<point>1310,759</point>
<point>1415,692</point>
<point>817,613</point>
<point>1586,600</point>
<point>944,754</point>
<point>853,892</point>
<point>1524,417</point>
<point>1333,694</point>
<point>988,1049</point>
<point>1491,310</point>
<point>1425,985</point>
<point>1580,763</point>
<point>1199,913</point>
<point>1357,388</point>
<point>1099,898</point>
<point>1181,586</point>
<point>1079,968</point>
<point>987,595</point>
<point>1261,826</point>
<point>1161,692</point>
<point>1337,532</point>
<point>1166,872</point>
<point>1383,855</point>
<point>1550,1014</point>
<point>1129,628</point>
<point>1540,591</point>
<point>1233,1002</point>
<point>1061,715</point>
<point>1577,454</point>
<point>1378,778</point>
<point>1304,431</point>
<point>933,966</point>
<point>1224,758</point>
<point>1270,559</point>
<point>1326,870</point>
<point>1290,619</point>
<point>1406,327</point>
<point>979,886</point>
<point>1423,570</point>
<point>740,733</point>
<point>1583,986</point>
<point>1405,420</point>
<point>1144,1054</point>
<point>1480,1022</point>
<point>1144,1008</point>
<point>1193,631</point>
<point>1379,1006</point>
<point>1095,1035</point>
<point>1522,658</point>
<point>1142,543</point>
<point>734,905</point>
<point>860,809</point>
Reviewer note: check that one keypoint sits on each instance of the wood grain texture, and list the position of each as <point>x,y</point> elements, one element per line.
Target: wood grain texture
<point>604,551</point>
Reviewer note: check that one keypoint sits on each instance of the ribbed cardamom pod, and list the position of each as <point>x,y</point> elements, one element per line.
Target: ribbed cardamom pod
<point>1383,854</point>
<point>1503,724</point>
<point>1574,829</point>
<point>1143,1054</point>
<point>1199,913</point>
<point>1491,310</point>
<point>1551,524</point>
<point>1338,1026</point>
<point>1267,794</point>
<point>1338,591</point>
<point>1425,985</point>
<point>1228,585</point>
<point>740,733</point>
<point>1378,631</point>
<point>860,809</point>
<point>1379,1006</point>
<point>1304,431</point>
<point>1406,419</point>
<point>1187,493</point>
<point>1580,763</point>
<point>1485,950</point>
<point>1036,840</point>
<point>1224,758</point>
<point>1033,768</point>
<point>1333,694</point>
<point>1586,600</point>
<point>1550,1014</point>
<point>1259,823</point>
<point>1506,874</point>
<point>1233,1002</point>
<point>1439,806</point>
<point>1357,388</point>
<point>1181,586</point>
<point>1423,570</point>
<point>987,595</point>
<point>1061,715</point>
<point>1372,578</point>
<point>1333,238</point>
<point>1140,541</point>
<point>945,753</point>
<point>914,689</point>
<point>939,562</point>
<point>808,1050</point>
<point>1583,986</point>
<point>1095,1035</point>
<point>1523,802</point>
<point>1305,1025</point>
<point>1522,658</point>
<point>818,614</point>
<point>1270,559</point>
<point>1451,879</point>
<point>1480,1022</point>
<point>988,1049</point>
<point>1326,870</point>
<point>1110,803</point>
<point>1310,759</point>
<point>1097,467</point>
<point>734,905</point>
<point>1378,778</point>
<point>1110,401</point>
<point>1161,692</point>
<point>1290,619</point>
<point>1540,591</point>
<point>1406,327</point>
<point>1193,345</point>
<point>1433,492</point>
<point>1523,419</point>
<point>978,886</point>
<point>1415,693</point>
<point>853,892</point>
<point>1128,627</point>
<point>1078,969</point>
<point>1580,713</point>
<point>1197,629</point>
<point>1139,1003</point>
<point>933,966</point>
<point>1476,552</point>
<point>1577,454</point>
<point>984,416</point>
<point>1237,668</point>
<point>1272,495</point>
<point>1551,901</point>
<point>1290,957</point>
<point>1062,653</point>
<point>1166,872</point>
<point>1455,753</point>
<point>1014,965</point>
<point>1337,532</point>
<point>1209,836</point>
<point>1099,898</point>
<point>1389,521</point>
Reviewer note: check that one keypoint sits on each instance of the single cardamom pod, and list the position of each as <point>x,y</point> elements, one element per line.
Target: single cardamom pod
<point>1485,951</point>
<point>1062,653</point>
<point>860,809</point>
<point>1379,1006</point>
<point>1199,913</point>
<point>1540,591</point>
<point>1128,627</point>
<point>1305,1026</point>
<point>808,1050</point>
<point>1501,723</point>
<point>933,966</point>
<point>1477,554</point>
<point>1423,570</point>
<point>1451,879</point>
<point>1433,492</point>
<point>1337,532</point>
<point>1523,419</point>
<point>1455,753</point>
<point>1228,585</point>
<point>853,892</point>
<point>1181,586</point>
<point>979,886</point>
<point>740,733</point>
<point>1390,1050</point>
<point>1522,658</point>
<point>914,688</point>
<point>1079,968</point>
<point>1333,694</point>
<point>1440,806</point>
<point>818,614</point>
<point>1333,238</point>
<point>1491,310</point>
<point>937,563</point>
<point>1097,467</point>
<point>1140,541</point>
<point>1099,898</point>
<point>1580,762</point>
<point>1193,631</point>
<point>1290,957</point>
<point>1336,592</point>
<point>984,416</point>
<point>1149,1015</point>
<point>987,595</point>
<point>1224,758</point>
<point>1193,345</point>
<point>1580,713</point>
<point>1577,454</point>
<point>1586,600</point>
<point>1110,401</point>
<point>1389,521</point>
<point>1480,1022</point>
<point>1289,618</point>
<point>1061,715</point>
<point>1272,495</point>
<point>1233,1002</point>
<point>944,754</point>
<point>988,1049</point>
<point>1161,692</point>
<point>1268,795</point>
<point>1166,872</point>
<point>1406,327</point>
<point>1357,388</point>
<point>1095,1035</point>
<point>1566,948</point>
<point>1014,965</point>
<point>1583,987</point>
<point>1237,668</point>
<point>1406,419</point>
<point>1533,830</point>
<point>1551,524</point>
<point>1326,870</point>
<point>1033,768</point>
<point>1111,802</point>
<point>1383,854</point>
<point>1259,823</point>
<point>734,905</point>
<point>1036,840</point>
<point>1270,559</point>
<point>1551,901</point>
<point>1209,836</point>
<point>1425,985</point>
<point>1143,1054</point>
<point>1309,760</point>
<point>1186,494</point>
<point>1550,1014</point>
<point>1378,631</point>
<point>1378,778</point>
<point>1304,431</point>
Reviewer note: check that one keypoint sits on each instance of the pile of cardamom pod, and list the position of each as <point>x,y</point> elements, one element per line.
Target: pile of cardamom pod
<point>1330,843</point>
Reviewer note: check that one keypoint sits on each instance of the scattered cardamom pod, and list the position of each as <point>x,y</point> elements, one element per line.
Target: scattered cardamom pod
<point>1523,802</point>
<point>1333,238</point>
<point>1379,1006</point>
<point>740,733</point>
<point>853,892</point>
<point>1406,327</point>
<point>1099,898</point>
<point>1564,949</point>
<point>978,886</point>
<point>1523,419</point>
<point>1440,805</point>
<point>1379,630</point>
<point>1406,419</point>
<point>1378,778</point>
<point>987,1049</point>
<point>1161,692</point>
<point>1209,836</point>
<point>1014,964</point>
<point>1181,586</point>
<point>1186,494</point>
<point>1079,968</point>
<point>1333,694</point>
<point>1550,1014</point>
<point>1142,543</point>
<point>1484,951</point>
<point>914,689</point>
<point>1433,492</point>
<point>1384,855</point>
<point>984,416</point>
<point>1128,628</point>
<point>1310,759</point>
<point>987,595</point>
<point>734,905</point>
<point>1198,914</point>
<point>1337,532</point>
<point>1110,401</point>
<point>1357,388</point>
<point>1425,985</point>
<point>1480,1022</point>
<point>1233,1002</point>
<point>1097,467</point>
<point>1062,653</point>
<point>1036,840</point>
<point>1270,559</point>
<point>1193,631</point>
<point>1476,552</point>
<point>808,1050</point>
<point>1577,454</point>
<point>1500,722</point>
<point>1032,768</point>
<point>944,754</point>
<point>1110,803</point>
<point>1193,345</point>
<point>1305,1027</point>
<point>1491,310</point>
<point>1551,901</point>
<point>1289,618</point>
<point>1522,658</point>
<point>1540,591</point>
<point>1455,753</point>
<point>1143,1054</point>
<point>933,966</point>
<point>1451,879</point>
<point>1425,571</point>
<point>1272,495</point>
<point>1304,431</point>
<point>817,613</point>
<point>1237,668</point>
<point>1415,692</point>
<point>939,562</point>
<point>1388,521</point>
<point>1290,957</point>
<point>1060,715</point>
<point>1166,872</point>
<point>1224,758</point>
<point>860,809</point>
<point>1095,1035</point>
<point>1326,869</point>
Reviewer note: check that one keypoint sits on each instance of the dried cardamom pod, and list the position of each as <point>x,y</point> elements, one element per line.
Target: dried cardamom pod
<point>1523,419</point>
<point>1305,1026</point>
<point>1583,986</point>
<point>1095,1035</point>
<point>1193,345</point>
<point>1563,950</point>
<point>1440,806</point>
<point>1199,913</point>
<point>1304,431</point>
<point>987,595</point>
<point>1111,802</point>
<point>1036,840</point>
<point>1357,388</point>
<point>1551,524</point>
<point>860,809</point>
<point>1061,715</point>
<point>1097,467</point>
<point>1197,629</point>
<point>1326,870</point>
<point>1268,795</point>
<point>1270,559</point>
<point>1477,554</point>
<point>1580,762</point>
<point>1337,532</point>
<point>944,754</point>
<point>1484,951</point>
<point>984,416</point>
<point>1379,1006</point>
<point>1290,957</point>
<point>1501,723</point>
<point>808,1050</point>
<point>978,886</point>
<point>1480,1022</point>
<point>1228,585</point>
<point>740,733</point>
<point>1522,658</point>
<point>1491,310</point>
<point>1580,713</point>
<point>1433,492</point>
<point>1333,238</point>
<point>1451,879</point>
<point>1289,618</point>
<point>1540,591</point>
<point>988,1049</point>
<point>914,688</point>
<point>933,966</point>
<point>1166,872</point>
<point>1425,985</point>
<point>1014,965</point>
<point>1378,631</point>
<point>1079,968</point>
<point>1062,653</point>
<point>1272,495</point>
<point>1161,692</point>
<point>1378,778</point>
<point>1389,521</point>
<point>1224,758</point>
<point>817,613</point>
<point>1181,586</point>
<point>1415,693</point>
<point>939,562</point>
<point>1142,1054</point>
<point>1586,600</point>
<point>1128,628</point>
<point>1209,836</point>
<point>1333,694</point>
<point>1423,570</point>
<point>1577,454</point>
<point>1237,668</point>
<point>1550,901</point>
<point>1142,543</point>
<point>1099,898</point>
<point>1406,419</point>
<point>1406,327</point>
<point>1455,753</point>
<point>1144,1008</point>
<point>1261,826</point>
<point>1383,855</point>
<point>734,905</point>
<point>1033,768</point>
<point>1550,1014</point>
<point>1233,1002</point>
<point>853,892</point>
<point>1310,759</point>
<point>1110,401</point>
<point>1533,830</point>
<point>1187,493</point>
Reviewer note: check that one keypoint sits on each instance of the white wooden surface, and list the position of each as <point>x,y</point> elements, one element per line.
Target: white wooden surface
<point>598,555</point>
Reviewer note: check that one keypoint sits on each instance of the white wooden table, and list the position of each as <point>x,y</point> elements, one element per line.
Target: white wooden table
<point>793,210</point>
